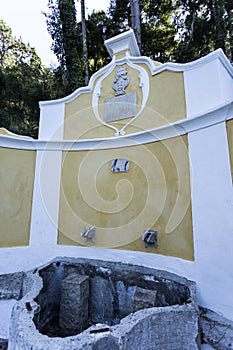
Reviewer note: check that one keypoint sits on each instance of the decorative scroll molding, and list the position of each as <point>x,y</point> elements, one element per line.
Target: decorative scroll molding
<point>97,93</point>
<point>173,67</point>
<point>144,85</point>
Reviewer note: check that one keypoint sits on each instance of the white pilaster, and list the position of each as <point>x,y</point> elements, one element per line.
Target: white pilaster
<point>45,206</point>
<point>207,86</point>
<point>212,207</point>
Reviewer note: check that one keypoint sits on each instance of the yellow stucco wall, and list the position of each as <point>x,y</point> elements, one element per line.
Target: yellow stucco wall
<point>6,132</point>
<point>166,104</point>
<point>153,194</point>
<point>16,189</point>
<point>229,125</point>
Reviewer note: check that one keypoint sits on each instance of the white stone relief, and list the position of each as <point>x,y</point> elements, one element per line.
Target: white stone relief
<point>120,107</point>
<point>121,82</point>
<point>143,84</point>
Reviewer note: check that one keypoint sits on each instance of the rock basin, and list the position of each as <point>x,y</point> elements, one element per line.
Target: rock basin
<point>73,304</point>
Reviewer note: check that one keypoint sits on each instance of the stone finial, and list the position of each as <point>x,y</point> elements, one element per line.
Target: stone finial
<point>123,42</point>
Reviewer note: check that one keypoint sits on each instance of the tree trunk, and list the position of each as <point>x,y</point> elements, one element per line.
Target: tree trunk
<point>84,36</point>
<point>136,23</point>
<point>70,53</point>
<point>219,25</point>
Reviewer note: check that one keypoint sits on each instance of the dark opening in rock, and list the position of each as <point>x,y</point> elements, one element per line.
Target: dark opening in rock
<point>77,295</point>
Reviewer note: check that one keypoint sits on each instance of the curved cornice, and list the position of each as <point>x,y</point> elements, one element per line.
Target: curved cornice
<point>182,67</point>
<point>154,69</point>
<point>212,117</point>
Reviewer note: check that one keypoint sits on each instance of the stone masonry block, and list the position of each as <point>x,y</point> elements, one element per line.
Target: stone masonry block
<point>144,298</point>
<point>11,285</point>
<point>102,300</point>
<point>216,330</point>
<point>74,304</point>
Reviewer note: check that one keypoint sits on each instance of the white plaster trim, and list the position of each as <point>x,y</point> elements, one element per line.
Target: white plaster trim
<point>182,67</point>
<point>212,203</point>
<point>79,91</point>
<point>122,42</point>
<point>51,125</point>
<point>45,203</point>
<point>96,95</point>
<point>230,112</point>
<point>200,121</point>
<point>9,133</point>
<point>174,67</point>
<point>30,257</point>
<point>144,85</point>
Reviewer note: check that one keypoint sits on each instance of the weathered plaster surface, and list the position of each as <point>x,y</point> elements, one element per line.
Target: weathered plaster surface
<point>216,330</point>
<point>178,323</point>
<point>16,189</point>
<point>207,84</point>
<point>122,205</point>
<point>5,312</point>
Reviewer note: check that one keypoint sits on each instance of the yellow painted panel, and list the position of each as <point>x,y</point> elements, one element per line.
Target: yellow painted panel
<point>167,97</point>
<point>16,189</point>
<point>229,125</point>
<point>6,132</point>
<point>166,104</point>
<point>153,194</point>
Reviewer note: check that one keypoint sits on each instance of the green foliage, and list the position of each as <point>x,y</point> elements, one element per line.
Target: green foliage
<point>203,27</point>
<point>23,83</point>
<point>175,30</point>
<point>172,30</point>
<point>67,44</point>
<point>99,28</point>
<point>120,14</point>
<point>157,28</point>
<point>229,29</point>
